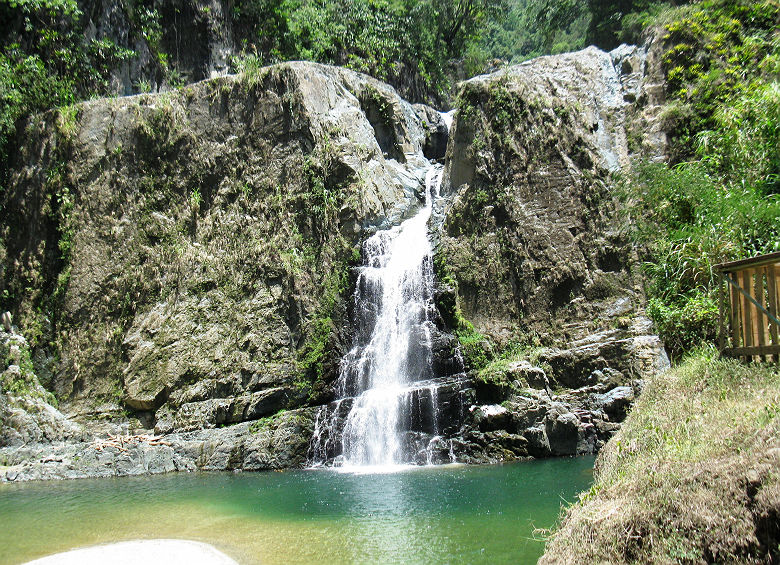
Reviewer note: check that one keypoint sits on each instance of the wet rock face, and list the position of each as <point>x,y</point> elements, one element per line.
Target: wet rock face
<point>575,421</point>
<point>276,442</point>
<point>534,251</point>
<point>429,424</point>
<point>436,132</point>
<point>531,233</point>
<point>208,237</point>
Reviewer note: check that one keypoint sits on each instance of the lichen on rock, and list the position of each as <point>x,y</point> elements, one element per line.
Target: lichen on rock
<point>210,233</point>
<point>538,273</point>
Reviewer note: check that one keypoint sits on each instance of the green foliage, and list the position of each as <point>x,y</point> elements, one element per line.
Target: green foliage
<point>720,62</point>
<point>149,24</point>
<point>686,322</point>
<point>143,86</point>
<point>459,23</point>
<point>644,15</point>
<point>195,199</point>
<point>46,60</point>
<point>477,349</point>
<point>716,52</point>
<point>323,195</point>
<point>313,355</point>
<point>496,371</point>
<point>250,65</point>
<point>24,384</point>
<point>550,17</point>
<point>745,146</point>
<point>489,362</point>
<point>404,42</point>
<point>159,130</point>
<point>608,22</point>
<point>688,220</point>
<point>262,423</point>
<point>262,29</point>
<point>370,36</point>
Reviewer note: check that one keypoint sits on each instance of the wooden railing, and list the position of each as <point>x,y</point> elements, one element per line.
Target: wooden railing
<point>748,302</point>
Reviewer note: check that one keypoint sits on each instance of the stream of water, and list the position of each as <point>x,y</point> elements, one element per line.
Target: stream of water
<point>389,408</point>
<point>426,515</point>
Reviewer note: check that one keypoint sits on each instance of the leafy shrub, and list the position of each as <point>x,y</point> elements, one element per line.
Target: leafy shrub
<point>685,323</point>
<point>476,348</point>
<point>716,50</point>
<point>46,60</point>
<point>745,147</point>
<point>404,43</point>
<point>688,220</point>
<point>721,202</point>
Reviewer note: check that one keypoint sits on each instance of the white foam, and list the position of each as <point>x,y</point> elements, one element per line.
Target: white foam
<point>447,117</point>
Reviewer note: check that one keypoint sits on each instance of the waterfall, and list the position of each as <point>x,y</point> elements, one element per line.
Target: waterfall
<point>389,396</point>
<point>395,293</point>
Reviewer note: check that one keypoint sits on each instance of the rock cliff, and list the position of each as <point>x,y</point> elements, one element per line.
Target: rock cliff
<point>179,263</point>
<point>183,257</point>
<point>536,266</point>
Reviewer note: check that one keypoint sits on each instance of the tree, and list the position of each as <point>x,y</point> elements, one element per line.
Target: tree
<point>459,22</point>
<point>606,17</point>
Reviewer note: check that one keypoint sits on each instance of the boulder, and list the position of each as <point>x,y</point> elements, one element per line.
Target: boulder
<point>525,372</point>
<point>219,411</point>
<point>532,241</point>
<point>538,443</point>
<point>616,402</point>
<point>562,430</point>
<point>26,411</point>
<point>606,357</point>
<point>491,417</point>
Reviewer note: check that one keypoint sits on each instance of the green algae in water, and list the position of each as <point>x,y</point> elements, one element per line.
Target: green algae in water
<point>422,515</point>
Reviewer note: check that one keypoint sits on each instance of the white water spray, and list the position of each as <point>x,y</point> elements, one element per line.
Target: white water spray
<point>382,374</point>
<point>397,284</point>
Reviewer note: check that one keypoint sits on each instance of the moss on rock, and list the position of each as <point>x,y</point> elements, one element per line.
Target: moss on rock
<point>198,242</point>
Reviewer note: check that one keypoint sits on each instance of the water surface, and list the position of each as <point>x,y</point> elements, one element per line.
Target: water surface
<point>422,515</point>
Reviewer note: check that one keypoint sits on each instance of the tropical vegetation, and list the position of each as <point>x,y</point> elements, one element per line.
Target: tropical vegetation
<point>718,198</point>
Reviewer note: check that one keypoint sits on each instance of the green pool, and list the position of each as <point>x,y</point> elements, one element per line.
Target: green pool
<point>427,515</point>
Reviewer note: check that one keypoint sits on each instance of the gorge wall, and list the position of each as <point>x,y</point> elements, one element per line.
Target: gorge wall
<point>182,261</point>
<point>183,257</point>
<point>537,268</point>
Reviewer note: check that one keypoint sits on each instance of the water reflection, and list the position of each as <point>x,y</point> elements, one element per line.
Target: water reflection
<point>384,520</point>
<point>420,515</point>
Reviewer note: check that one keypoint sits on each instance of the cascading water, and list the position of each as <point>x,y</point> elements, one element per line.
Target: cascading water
<point>390,397</point>
<point>395,286</point>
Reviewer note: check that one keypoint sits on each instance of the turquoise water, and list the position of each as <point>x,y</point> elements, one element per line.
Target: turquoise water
<point>453,514</point>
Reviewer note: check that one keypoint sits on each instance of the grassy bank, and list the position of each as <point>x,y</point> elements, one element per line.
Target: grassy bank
<point>692,477</point>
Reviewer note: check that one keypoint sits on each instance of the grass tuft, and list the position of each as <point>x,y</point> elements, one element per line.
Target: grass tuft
<point>692,476</point>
